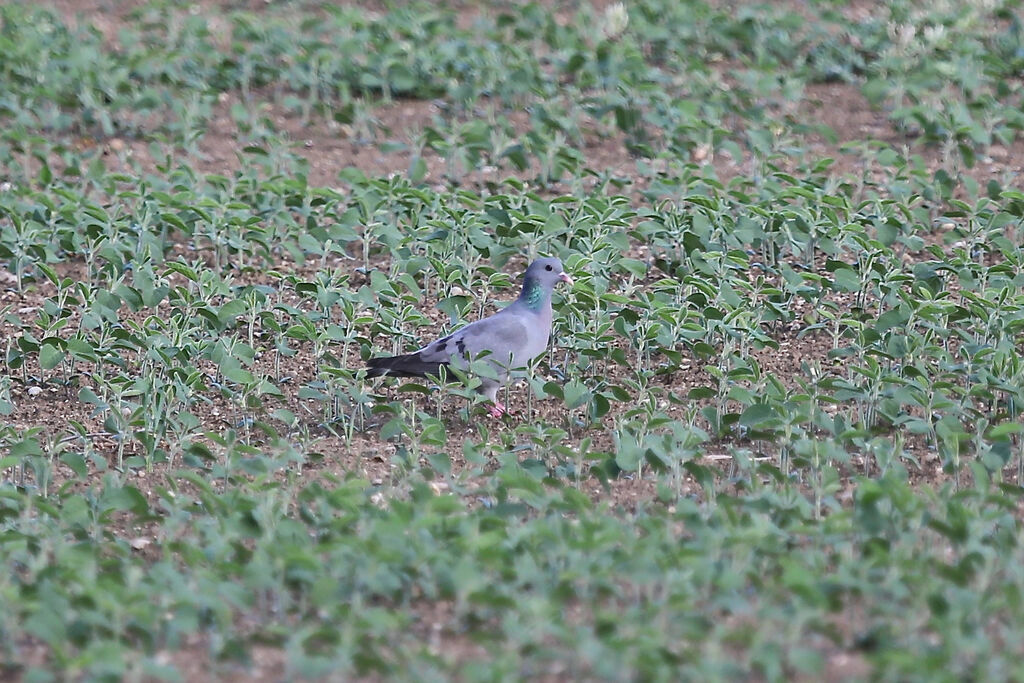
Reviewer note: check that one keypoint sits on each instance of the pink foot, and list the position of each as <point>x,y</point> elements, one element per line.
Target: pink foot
<point>497,409</point>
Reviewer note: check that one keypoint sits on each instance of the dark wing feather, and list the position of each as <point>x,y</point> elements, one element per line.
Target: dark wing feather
<point>426,361</point>
<point>411,365</point>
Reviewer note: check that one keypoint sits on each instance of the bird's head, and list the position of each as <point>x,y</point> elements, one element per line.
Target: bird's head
<point>548,272</point>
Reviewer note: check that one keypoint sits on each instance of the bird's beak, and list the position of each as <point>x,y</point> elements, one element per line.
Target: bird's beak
<point>564,277</point>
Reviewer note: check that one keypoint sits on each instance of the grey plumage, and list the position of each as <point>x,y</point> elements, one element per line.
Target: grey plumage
<point>509,339</point>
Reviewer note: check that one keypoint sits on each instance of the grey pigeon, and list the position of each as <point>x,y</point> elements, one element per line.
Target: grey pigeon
<point>509,339</point>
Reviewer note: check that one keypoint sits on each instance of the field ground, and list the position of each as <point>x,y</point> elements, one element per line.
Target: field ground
<point>777,435</point>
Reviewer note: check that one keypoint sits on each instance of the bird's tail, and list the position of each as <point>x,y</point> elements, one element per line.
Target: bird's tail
<point>410,365</point>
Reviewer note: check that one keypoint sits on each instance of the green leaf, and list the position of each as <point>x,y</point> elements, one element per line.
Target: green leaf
<point>76,462</point>
<point>239,375</point>
<point>846,280</point>
<point>231,310</point>
<point>759,415</point>
<point>50,355</point>
<point>1005,429</point>
<point>127,498</point>
<point>433,433</point>
<point>575,394</point>
<point>417,170</point>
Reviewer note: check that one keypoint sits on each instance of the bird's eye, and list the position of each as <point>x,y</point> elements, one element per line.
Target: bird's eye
<point>547,267</point>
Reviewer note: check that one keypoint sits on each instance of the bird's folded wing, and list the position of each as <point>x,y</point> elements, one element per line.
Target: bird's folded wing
<point>500,338</point>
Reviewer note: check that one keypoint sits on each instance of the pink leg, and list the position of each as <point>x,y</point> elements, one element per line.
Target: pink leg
<point>498,409</point>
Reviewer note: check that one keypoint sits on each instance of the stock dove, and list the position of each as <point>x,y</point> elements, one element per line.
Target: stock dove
<point>509,339</point>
